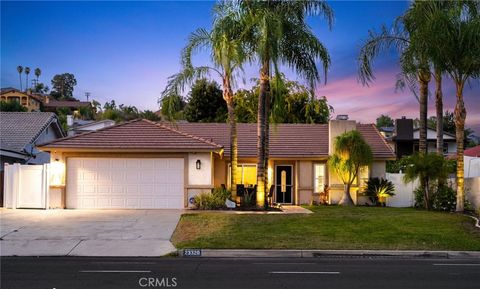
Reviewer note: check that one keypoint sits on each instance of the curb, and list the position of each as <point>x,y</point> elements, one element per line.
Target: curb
<point>235,253</point>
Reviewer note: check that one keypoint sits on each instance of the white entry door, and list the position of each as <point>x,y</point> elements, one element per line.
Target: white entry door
<point>125,183</point>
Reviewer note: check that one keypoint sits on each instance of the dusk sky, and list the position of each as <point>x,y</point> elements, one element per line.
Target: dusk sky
<point>126,50</point>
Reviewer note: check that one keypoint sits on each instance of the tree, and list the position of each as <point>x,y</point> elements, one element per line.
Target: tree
<point>13,106</point>
<point>150,115</point>
<point>457,47</point>
<point>27,72</point>
<point>205,103</point>
<point>429,168</point>
<point>20,70</point>
<point>414,61</point>
<point>277,33</point>
<point>351,152</point>
<point>384,121</point>
<point>63,86</point>
<point>172,107</point>
<point>38,72</point>
<point>227,55</point>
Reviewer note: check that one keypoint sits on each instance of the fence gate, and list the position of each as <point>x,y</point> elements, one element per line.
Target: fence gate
<point>26,186</point>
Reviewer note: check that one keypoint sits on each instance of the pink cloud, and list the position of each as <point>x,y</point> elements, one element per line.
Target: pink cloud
<point>366,103</point>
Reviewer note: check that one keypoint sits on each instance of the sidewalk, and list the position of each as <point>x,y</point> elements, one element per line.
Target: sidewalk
<point>225,253</point>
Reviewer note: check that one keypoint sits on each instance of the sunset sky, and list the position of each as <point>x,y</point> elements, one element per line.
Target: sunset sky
<point>126,50</point>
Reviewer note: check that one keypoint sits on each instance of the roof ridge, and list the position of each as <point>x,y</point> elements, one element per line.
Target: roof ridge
<point>383,139</point>
<point>183,133</point>
<point>90,132</point>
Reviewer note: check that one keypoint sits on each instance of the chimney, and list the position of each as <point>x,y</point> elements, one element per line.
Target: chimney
<point>337,127</point>
<point>69,120</point>
<point>342,117</point>
<point>404,129</point>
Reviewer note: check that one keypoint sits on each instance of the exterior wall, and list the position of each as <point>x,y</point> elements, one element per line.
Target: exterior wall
<point>305,182</point>
<point>26,100</point>
<point>220,172</point>
<point>196,181</point>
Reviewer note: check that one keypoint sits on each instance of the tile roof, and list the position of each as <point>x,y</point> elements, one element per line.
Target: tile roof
<point>136,134</point>
<point>286,140</point>
<point>18,129</point>
<point>473,152</point>
<point>66,103</point>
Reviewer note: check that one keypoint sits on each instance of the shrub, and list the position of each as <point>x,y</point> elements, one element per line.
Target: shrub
<point>379,189</point>
<point>444,199</point>
<point>212,201</point>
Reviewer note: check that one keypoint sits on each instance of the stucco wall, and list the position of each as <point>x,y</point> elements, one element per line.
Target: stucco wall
<point>203,176</point>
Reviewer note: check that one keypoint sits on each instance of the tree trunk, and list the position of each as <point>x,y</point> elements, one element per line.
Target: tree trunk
<point>460,116</point>
<point>439,110</point>
<point>424,78</point>
<point>228,96</point>
<point>346,198</point>
<point>426,195</point>
<point>267,136</point>
<point>20,75</point>
<point>261,132</point>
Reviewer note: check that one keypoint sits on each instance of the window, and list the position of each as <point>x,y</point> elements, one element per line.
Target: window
<point>319,178</point>
<point>24,100</point>
<point>363,175</point>
<point>15,98</point>
<point>247,174</point>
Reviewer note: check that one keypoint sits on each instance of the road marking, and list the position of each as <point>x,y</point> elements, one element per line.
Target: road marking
<point>297,272</point>
<point>275,263</point>
<point>115,271</point>
<point>455,264</point>
<point>122,262</point>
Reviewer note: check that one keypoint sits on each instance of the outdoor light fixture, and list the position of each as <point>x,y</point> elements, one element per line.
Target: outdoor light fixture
<point>198,164</point>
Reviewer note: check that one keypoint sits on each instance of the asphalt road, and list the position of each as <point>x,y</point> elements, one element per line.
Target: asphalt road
<point>132,273</point>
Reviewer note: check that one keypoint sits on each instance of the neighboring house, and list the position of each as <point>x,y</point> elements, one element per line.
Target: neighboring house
<point>80,126</point>
<point>29,101</point>
<point>52,105</point>
<point>405,139</point>
<point>21,132</point>
<point>472,152</point>
<point>143,164</point>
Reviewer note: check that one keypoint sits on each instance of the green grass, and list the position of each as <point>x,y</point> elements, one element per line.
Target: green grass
<point>330,228</point>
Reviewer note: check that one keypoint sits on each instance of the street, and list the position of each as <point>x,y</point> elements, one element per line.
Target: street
<point>346,272</point>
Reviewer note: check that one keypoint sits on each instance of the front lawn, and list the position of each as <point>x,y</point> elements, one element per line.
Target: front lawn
<point>330,228</point>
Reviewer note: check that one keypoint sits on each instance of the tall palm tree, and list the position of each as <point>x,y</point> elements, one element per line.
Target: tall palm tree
<point>227,55</point>
<point>414,62</point>
<point>27,72</point>
<point>38,72</point>
<point>457,47</point>
<point>278,34</point>
<point>20,70</point>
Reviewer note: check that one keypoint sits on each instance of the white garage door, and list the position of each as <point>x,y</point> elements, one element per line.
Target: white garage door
<point>125,183</point>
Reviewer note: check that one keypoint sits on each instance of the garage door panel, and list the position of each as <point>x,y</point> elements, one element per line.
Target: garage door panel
<point>125,183</point>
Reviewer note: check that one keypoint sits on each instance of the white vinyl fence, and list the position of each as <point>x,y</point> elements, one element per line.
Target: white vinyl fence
<point>26,186</point>
<point>404,196</point>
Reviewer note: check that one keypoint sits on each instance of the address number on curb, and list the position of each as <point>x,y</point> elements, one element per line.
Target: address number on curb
<point>192,252</point>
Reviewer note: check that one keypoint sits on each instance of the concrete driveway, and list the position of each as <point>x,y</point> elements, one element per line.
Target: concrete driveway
<point>87,232</point>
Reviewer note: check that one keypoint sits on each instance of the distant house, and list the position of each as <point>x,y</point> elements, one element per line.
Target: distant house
<point>81,126</point>
<point>21,132</point>
<point>405,139</point>
<point>52,105</point>
<point>28,100</point>
<point>473,152</point>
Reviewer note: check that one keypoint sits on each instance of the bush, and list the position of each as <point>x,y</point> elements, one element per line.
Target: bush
<point>379,189</point>
<point>212,201</point>
<point>445,199</point>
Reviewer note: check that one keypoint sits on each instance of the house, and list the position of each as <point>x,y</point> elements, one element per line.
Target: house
<point>143,164</point>
<point>81,126</point>
<point>28,100</point>
<point>21,132</point>
<point>52,105</point>
<point>472,152</point>
<point>405,139</point>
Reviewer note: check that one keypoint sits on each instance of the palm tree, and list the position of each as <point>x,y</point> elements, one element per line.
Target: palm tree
<point>20,70</point>
<point>457,47</point>
<point>227,56</point>
<point>38,72</point>
<point>27,72</point>
<point>414,62</point>
<point>351,152</point>
<point>277,33</point>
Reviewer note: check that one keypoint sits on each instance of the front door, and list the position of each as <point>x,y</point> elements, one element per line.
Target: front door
<point>283,184</point>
